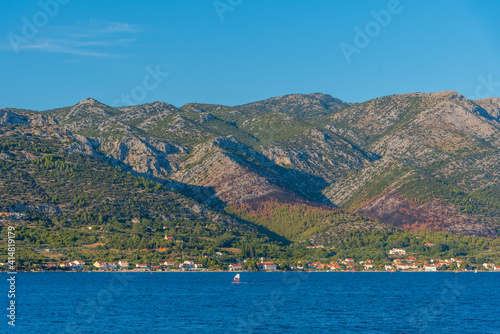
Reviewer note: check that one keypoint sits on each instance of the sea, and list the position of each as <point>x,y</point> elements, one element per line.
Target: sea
<point>275,302</point>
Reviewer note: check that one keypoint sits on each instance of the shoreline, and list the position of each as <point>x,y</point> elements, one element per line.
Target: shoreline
<point>248,272</point>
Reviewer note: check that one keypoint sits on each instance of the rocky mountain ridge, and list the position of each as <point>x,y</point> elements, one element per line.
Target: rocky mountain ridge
<point>418,160</point>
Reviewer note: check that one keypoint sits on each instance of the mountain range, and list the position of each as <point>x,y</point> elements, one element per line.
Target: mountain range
<point>303,167</point>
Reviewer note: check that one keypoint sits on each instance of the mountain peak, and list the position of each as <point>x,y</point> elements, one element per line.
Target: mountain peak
<point>299,105</point>
<point>448,94</point>
<point>89,101</point>
<point>302,97</point>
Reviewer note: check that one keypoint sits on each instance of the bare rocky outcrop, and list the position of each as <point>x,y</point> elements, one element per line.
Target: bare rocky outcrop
<point>491,105</point>
<point>319,152</point>
<point>215,165</point>
<point>7,117</point>
<point>149,156</point>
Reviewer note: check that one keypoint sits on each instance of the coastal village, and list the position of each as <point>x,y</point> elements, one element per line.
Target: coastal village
<point>397,260</point>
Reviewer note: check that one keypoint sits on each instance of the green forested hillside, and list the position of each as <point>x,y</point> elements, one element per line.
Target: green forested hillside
<point>299,222</point>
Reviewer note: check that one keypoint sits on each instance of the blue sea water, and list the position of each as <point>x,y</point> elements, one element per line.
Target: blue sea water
<point>263,303</point>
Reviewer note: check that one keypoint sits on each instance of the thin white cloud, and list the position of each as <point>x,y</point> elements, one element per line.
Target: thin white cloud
<point>94,38</point>
<point>115,27</point>
<point>55,48</point>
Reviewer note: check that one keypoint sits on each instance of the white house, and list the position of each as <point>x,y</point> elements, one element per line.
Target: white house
<point>169,263</point>
<point>269,266</point>
<point>397,251</point>
<point>388,267</point>
<point>235,267</point>
<point>430,267</point>
<point>141,266</point>
<point>186,265</point>
<point>123,263</point>
<point>488,265</point>
<point>77,263</point>
<point>406,266</point>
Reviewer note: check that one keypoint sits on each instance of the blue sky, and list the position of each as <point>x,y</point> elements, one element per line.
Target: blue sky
<point>237,51</point>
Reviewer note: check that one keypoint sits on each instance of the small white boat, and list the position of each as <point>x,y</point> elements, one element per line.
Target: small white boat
<point>236,278</point>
